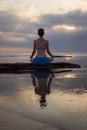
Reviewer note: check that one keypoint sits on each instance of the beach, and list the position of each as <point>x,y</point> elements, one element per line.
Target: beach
<point>61,106</point>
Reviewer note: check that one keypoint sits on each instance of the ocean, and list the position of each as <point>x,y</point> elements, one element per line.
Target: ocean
<point>55,101</point>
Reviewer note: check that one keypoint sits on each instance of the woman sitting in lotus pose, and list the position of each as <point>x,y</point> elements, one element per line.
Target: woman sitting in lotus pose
<point>41,47</point>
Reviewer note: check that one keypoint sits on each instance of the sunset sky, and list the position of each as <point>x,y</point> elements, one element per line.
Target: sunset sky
<point>64,21</point>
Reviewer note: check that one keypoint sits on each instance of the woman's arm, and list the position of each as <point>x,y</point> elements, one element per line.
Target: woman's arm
<point>34,50</point>
<point>48,50</point>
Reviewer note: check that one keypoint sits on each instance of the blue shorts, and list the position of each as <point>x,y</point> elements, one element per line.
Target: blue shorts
<point>41,75</point>
<point>41,60</point>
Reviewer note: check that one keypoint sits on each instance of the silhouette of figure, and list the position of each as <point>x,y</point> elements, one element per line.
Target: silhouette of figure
<point>42,82</point>
<point>40,48</point>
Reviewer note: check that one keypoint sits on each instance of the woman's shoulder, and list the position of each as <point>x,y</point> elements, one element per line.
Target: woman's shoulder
<point>39,40</point>
<point>35,41</point>
<point>46,41</point>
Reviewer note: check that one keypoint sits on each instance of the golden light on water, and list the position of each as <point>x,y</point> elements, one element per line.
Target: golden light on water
<point>67,76</point>
<point>68,58</point>
<point>27,96</point>
<point>12,50</point>
<point>69,99</point>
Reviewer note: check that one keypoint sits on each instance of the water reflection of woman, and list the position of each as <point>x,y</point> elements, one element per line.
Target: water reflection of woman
<point>42,82</point>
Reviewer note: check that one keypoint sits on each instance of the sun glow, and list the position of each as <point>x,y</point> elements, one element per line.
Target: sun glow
<point>68,58</point>
<point>26,11</point>
<point>67,27</point>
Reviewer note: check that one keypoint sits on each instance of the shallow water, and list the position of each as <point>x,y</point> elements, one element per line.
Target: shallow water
<point>58,101</point>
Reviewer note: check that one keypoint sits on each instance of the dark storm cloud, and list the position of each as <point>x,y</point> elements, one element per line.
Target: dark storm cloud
<point>77,18</point>
<point>59,39</point>
<point>7,21</point>
<point>70,41</point>
<point>11,26</point>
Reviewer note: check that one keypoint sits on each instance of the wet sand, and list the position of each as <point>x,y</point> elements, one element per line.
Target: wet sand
<point>11,121</point>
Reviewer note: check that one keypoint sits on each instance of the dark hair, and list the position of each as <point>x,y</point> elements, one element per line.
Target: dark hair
<point>41,32</point>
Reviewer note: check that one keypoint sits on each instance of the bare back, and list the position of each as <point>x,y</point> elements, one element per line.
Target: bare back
<point>41,47</point>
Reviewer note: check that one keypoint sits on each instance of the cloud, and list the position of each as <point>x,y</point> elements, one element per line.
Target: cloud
<point>62,41</point>
<point>63,38</point>
<point>8,21</point>
<point>14,31</point>
<point>71,18</point>
<point>70,32</point>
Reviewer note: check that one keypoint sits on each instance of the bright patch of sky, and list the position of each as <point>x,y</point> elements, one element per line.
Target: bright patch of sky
<point>46,6</point>
<point>32,9</point>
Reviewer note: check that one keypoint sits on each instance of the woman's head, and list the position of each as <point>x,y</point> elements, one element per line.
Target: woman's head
<point>41,32</point>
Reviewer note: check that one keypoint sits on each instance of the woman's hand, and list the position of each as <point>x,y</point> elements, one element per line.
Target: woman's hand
<point>31,59</point>
<point>51,58</point>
